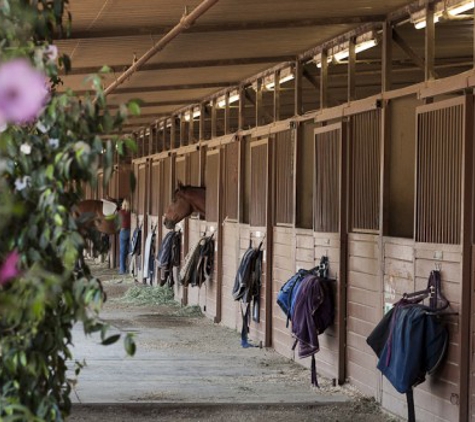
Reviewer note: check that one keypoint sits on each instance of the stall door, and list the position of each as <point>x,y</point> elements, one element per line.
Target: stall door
<point>365,284</point>
<point>261,231</point>
<point>330,239</point>
<point>443,134</point>
<point>230,227</point>
<point>212,290</point>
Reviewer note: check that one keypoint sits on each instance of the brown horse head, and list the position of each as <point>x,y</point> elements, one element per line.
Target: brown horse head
<point>186,200</point>
<point>91,212</point>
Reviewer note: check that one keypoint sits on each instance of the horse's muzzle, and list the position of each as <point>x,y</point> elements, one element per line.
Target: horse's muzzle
<point>169,224</point>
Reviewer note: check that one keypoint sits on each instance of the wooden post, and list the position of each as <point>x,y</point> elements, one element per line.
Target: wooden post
<point>429,42</point>
<point>351,69</point>
<point>213,119</point>
<point>467,277</point>
<point>173,132</point>
<point>276,96</point>
<point>323,80</point>
<point>298,107</point>
<point>227,114</point>
<point>259,113</point>
<point>242,105</point>
<point>386,82</point>
<point>201,129</point>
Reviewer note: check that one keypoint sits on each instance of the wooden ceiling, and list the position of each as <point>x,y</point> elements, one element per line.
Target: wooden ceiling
<point>237,39</point>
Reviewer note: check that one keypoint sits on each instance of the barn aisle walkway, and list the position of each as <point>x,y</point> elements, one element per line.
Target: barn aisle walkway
<point>185,360</point>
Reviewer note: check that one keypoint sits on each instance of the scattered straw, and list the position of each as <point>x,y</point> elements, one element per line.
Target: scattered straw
<point>189,311</point>
<point>142,296</point>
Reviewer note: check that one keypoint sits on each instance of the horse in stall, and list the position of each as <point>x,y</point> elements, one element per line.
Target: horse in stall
<point>98,215</point>
<point>186,200</point>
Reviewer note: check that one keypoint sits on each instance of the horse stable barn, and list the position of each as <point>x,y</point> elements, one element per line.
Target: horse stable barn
<point>338,129</point>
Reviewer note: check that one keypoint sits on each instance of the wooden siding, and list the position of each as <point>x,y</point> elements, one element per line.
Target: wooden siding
<point>248,235</point>
<point>439,172</point>
<point>284,177</point>
<point>155,183</point>
<point>194,176</point>
<point>407,268</point>
<point>365,146</point>
<point>328,244</point>
<point>327,180</point>
<point>212,186</point>
<point>180,170</point>
<point>142,184</point>
<point>284,252</point>
<point>363,311</point>
<point>230,314</point>
<point>231,181</point>
<point>259,184</point>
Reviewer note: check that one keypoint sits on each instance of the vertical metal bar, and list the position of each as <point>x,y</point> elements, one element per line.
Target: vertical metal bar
<point>323,80</point>
<point>429,42</point>
<point>352,70</point>
<point>298,110</point>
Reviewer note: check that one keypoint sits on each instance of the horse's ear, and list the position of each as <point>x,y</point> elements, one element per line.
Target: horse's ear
<point>180,185</point>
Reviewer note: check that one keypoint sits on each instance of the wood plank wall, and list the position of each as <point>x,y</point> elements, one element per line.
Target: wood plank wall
<point>231,314</point>
<point>284,251</point>
<point>407,267</point>
<point>328,244</point>
<point>363,311</point>
<point>247,234</point>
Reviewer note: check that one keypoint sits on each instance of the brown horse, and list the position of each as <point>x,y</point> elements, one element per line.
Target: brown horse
<point>91,211</point>
<point>186,200</point>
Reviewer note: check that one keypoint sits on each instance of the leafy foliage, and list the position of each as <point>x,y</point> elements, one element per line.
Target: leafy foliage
<point>43,167</point>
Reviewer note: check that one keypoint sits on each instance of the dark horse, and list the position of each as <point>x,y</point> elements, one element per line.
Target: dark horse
<point>186,200</point>
<point>91,212</point>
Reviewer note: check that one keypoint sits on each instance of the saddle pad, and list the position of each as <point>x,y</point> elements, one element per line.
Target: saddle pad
<point>108,207</point>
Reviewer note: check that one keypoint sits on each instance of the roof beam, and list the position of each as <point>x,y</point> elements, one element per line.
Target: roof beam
<point>187,65</point>
<point>185,23</point>
<point>158,88</point>
<point>419,61</point>
<point>226,27</point>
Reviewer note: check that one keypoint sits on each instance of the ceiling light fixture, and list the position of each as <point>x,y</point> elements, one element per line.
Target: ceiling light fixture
<point>461,8</point>
<point>342,52</point>
<point>233,97</point>
<point>286,75</point>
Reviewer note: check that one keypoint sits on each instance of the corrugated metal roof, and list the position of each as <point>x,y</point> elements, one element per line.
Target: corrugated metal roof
<point>233,41</point>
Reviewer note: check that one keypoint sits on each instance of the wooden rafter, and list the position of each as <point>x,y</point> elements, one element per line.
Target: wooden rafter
<point>226,27</point>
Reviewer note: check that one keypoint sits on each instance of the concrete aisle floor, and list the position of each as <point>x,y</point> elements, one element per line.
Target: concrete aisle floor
<point>189,364</point>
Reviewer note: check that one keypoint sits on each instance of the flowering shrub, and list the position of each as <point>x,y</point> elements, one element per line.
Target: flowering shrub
<point>50,145</point>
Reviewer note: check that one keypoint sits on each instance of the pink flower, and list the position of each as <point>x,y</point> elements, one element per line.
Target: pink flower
<point>23,91</point>
<point>9,269</point>
<point>51,53</point>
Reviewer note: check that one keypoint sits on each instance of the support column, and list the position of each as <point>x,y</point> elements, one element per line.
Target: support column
<point>429,42</point>
<point>386,82</point>
<point>323,80</point>
<point>351,70</point>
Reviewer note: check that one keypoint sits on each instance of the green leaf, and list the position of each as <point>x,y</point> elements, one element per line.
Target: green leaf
<point>129,344</point>
<point>111,340</point>
<point>131,144</point>
<point>134,108</point>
